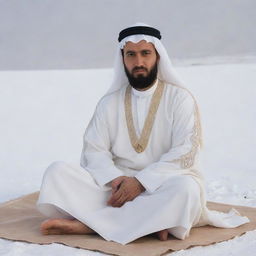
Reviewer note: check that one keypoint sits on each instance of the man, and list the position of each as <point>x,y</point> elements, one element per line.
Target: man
<point>139,171</point>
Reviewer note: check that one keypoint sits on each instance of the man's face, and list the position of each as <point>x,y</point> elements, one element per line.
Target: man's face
<point>140,63</point>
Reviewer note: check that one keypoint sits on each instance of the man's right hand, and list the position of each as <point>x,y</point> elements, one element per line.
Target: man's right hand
<point>124,189</point>
<point>115,183</point>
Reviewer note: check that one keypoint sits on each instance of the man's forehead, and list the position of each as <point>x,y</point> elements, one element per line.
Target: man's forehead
<point>141,45</point>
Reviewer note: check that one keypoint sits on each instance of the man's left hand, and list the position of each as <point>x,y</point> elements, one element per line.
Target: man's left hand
<point>129,189</point>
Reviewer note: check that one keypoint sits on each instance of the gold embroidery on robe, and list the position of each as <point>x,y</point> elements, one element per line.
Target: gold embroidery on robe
<point>140,144</point>
<point>187,160</point>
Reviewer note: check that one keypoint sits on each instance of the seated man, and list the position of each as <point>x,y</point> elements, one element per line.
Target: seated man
<point>139,165</point>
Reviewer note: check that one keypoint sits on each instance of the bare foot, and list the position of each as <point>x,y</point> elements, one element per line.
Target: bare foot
<point>64,226</point>
<point>162,235</point>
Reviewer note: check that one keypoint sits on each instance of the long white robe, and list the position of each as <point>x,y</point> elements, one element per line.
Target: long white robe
<point>168,169</point>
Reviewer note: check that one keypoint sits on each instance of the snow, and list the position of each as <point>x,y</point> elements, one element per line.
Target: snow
<point>44,113</point>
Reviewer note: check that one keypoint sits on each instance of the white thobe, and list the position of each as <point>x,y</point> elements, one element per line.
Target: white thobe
<point>167,168</point>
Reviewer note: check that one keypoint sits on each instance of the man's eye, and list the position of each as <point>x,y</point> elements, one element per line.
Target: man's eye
<point>146,53</point>
<point>129,54</point>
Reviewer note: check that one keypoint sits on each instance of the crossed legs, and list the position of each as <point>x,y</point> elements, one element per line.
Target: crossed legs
<point>67,226</point>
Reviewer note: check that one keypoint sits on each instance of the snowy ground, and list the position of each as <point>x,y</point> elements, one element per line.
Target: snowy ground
<point>44,113</point>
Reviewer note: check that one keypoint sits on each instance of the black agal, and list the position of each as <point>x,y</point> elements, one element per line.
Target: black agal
<point>139,30</point>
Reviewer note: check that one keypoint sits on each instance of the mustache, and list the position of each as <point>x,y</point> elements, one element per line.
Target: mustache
<point>139,68</point>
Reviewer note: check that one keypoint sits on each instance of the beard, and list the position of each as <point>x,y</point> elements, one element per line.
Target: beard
<point>141,81</point>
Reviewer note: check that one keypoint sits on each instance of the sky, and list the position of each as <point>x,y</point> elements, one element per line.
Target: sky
<point>67,34</point>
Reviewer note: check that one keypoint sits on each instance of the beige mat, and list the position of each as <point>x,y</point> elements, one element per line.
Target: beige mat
<point>19,220</point>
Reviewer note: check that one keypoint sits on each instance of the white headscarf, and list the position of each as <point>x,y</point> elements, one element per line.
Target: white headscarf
<point>166,71</point>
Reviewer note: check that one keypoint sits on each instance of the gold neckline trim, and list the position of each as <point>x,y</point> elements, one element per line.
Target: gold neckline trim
<point>140,144</point>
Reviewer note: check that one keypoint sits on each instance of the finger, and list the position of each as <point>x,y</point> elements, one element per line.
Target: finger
<point>121,201</point>
<point>123,198</point>
<point>114,198</point>
<point>116,186</point>
<point>115,189</point>
<point>117,181</point>
<point>118,203</point>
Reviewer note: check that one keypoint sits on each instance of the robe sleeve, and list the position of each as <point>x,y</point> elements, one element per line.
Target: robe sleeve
<point>96,157</point>
<point>181,157</point>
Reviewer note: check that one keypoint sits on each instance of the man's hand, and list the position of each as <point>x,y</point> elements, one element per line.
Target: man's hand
<point>115,183</point>
<point>124,189</point>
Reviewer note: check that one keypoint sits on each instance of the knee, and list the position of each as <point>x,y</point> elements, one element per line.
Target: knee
<point>187,186</point>
<point>56,169</point>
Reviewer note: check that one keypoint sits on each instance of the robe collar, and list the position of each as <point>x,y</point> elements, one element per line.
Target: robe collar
<point>146,93</point>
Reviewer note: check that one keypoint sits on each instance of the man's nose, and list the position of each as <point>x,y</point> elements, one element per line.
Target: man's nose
<point>139,60</point>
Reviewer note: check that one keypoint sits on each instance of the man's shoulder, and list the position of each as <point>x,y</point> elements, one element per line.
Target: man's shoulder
<point>109,100</point>
<point>179,92</point>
